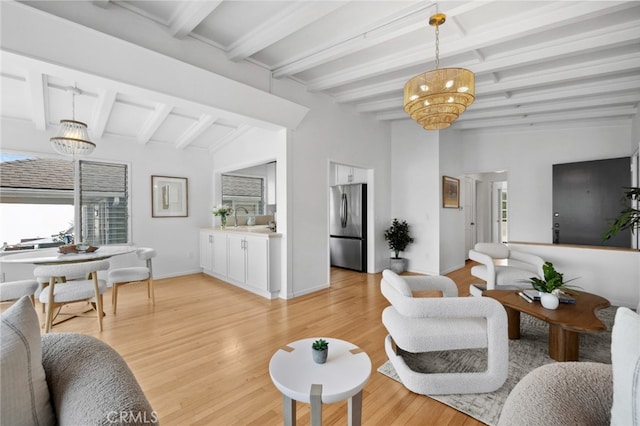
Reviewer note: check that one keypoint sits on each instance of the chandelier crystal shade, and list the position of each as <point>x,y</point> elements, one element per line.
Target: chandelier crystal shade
<point>73,137</point>
<point>435,99</point>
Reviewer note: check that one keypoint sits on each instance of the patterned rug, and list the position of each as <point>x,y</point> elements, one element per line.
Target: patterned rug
<point>525,354</point>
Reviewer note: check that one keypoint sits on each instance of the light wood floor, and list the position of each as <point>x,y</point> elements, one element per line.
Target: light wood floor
<point>202,354</point>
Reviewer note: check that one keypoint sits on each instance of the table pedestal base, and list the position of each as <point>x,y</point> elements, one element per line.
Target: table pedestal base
<point>563,343</point>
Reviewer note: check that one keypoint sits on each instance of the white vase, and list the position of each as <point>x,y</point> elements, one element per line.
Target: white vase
<point>549,301</point>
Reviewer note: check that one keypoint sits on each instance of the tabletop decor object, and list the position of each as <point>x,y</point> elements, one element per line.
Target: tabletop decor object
<point>77,248</point>
<point>549,286</point>
<point>320,351</point>
<point>223,212</point>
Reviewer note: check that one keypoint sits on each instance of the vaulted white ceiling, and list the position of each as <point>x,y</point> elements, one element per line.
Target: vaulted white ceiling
<point>536,62</point>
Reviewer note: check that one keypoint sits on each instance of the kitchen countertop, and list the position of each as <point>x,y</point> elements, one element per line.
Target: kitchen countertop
<point>256,230</point>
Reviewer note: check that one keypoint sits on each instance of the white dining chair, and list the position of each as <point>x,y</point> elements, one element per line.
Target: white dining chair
<point>133,274</point>
<point>14,290</point>
<point>68,283</point>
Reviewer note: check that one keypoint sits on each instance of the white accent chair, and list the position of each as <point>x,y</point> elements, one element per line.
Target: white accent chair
<point>502,268</point>
<point>427,324</point>
<point>134,274</point>
<point>68,283</point>
<point>14,290</point>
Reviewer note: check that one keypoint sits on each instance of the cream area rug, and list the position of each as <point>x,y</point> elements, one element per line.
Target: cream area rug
<point>525,354</point>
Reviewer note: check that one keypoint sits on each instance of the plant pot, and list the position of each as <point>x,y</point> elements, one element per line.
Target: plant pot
<point>398,265</point>
<point>549,301</point>
<point>319,355</point>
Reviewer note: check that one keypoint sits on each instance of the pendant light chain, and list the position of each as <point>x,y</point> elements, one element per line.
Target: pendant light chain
<point>437,45</point>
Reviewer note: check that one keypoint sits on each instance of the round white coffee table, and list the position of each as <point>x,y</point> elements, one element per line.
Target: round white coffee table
<point>299,378</point>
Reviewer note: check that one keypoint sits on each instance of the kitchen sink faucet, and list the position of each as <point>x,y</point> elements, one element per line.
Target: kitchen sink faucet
<point>235,214</point>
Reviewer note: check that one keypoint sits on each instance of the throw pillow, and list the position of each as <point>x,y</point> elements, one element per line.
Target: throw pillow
<point>625,362</point>
<point>24,396</point>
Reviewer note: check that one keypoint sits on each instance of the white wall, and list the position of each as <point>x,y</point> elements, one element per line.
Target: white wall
<point>452,237</point>
<point>415,193</point>
<point>528,157</point>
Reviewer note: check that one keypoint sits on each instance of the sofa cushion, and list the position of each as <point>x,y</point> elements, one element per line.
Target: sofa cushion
<point>24,396</point>
<point>396,281</point>
<point>625,360</point>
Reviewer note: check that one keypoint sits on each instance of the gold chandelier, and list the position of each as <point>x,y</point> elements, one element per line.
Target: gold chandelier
<point>435,99</point>
<point>73,137</point>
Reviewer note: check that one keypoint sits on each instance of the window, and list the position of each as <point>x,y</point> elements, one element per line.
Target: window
<point>242,191</point>
<point>103,203</point>
<point>43,198</point>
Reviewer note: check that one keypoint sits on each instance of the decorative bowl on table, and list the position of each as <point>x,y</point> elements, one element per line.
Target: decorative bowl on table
<point>76,248</point>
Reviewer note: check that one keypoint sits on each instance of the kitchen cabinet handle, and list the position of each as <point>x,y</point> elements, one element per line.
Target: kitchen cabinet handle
<point>210,238</point>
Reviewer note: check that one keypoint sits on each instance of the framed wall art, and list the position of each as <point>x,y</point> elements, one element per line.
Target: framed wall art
<point>169,196</point>
<point>450,192</point>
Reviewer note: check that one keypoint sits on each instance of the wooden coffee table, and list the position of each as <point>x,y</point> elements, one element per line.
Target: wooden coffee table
<point>565,323</point>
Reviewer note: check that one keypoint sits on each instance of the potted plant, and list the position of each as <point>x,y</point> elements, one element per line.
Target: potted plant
<point>629,218</point>
<point>398,238</point>
<point>223,212</point>
<point>319,351</point>
<point>549,286</point>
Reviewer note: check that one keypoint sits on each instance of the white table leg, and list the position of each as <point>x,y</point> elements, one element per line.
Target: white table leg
<point>355,409</point>
<point>289,411</point>
<point>316,405</point>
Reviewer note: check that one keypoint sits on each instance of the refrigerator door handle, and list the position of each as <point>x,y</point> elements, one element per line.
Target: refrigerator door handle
<point>343,211</point>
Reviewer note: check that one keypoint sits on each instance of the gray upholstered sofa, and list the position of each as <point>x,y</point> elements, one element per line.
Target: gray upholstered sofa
<point>583,393</point>
<point>64,378</point>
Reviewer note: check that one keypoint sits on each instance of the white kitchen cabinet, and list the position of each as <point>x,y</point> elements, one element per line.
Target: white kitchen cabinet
<point>206,250</point>
<point>213,252</point>
<point>246,259</point>
<point>347,174</point>
<point>219,263</point>
<point>249,260</point>
<point>237,263</point>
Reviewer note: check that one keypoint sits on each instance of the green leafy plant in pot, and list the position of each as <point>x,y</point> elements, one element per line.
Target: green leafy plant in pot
<point>398,238</point>
<point>549,285</point>
<point>319,351</point>
<point>629,218</point>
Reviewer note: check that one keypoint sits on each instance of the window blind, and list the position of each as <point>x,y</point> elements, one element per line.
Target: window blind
<point>104,203</point>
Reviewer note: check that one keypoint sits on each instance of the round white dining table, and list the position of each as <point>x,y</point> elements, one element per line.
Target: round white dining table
<point>51,256</point>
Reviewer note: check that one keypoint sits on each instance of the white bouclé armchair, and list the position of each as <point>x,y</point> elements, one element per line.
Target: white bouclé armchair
<point>427,324</point>
<point>502,267</point>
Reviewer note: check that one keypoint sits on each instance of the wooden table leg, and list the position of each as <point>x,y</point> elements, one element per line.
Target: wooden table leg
<point>564,345</point>
<point>316,405</point>
<point>289,411</point>
<point>355,409</point>
<point>513,323</point>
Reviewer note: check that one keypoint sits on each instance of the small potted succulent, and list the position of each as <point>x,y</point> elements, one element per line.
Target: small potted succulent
<point>319,351</point>
<point>549,286</point>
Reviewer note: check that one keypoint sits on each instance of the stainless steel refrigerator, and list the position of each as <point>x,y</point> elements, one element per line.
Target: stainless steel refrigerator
<point>348,228</point>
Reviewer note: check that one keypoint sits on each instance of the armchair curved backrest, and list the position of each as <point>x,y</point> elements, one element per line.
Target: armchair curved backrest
<point>428,324</point>
<point>503,267</point>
